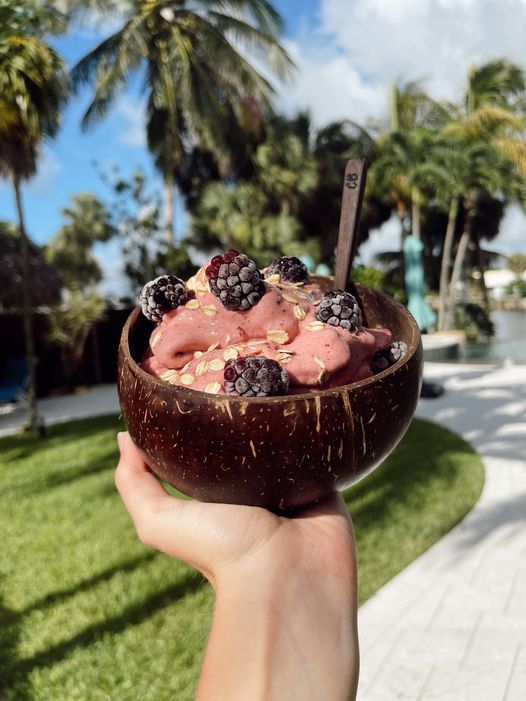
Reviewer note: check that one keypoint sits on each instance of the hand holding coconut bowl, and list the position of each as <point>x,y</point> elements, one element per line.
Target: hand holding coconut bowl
<point>245,388</point>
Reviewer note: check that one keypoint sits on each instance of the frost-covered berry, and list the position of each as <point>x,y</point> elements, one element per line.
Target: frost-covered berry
<point>235,279</point>
<point>289,268</point>
<point>339,308</point>
<point>386,357</point>
<point>161,295</point>
<point>255,377</point>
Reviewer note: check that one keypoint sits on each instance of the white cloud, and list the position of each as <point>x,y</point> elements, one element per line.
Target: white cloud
<point>49,168</point>
<point>133,115</point>
<point>511,239</point>
<point>512,236</point>
<point>330,87</point>
<point>433,39</point>
<point>347,64</point>
<point>386,238</point>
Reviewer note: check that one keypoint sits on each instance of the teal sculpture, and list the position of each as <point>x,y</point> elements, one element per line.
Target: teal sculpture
<point>415,284</point>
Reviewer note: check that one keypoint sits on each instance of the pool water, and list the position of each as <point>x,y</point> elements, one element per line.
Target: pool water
<point>509,342</point>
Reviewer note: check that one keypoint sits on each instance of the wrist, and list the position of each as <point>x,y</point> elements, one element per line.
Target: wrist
<point>296,634</point>
<point>276,584</point>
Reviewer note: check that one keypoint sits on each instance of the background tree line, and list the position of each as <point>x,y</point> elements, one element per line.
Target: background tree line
<point>249,178</point>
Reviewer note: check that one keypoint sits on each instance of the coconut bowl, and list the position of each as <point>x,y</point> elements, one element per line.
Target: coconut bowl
<point>282,452</point>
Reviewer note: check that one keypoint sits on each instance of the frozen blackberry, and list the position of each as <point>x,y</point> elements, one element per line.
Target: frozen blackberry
<point>162,295</point>
<point>289,268</point>
<point>236,280</point>
<point>386,357</point>
<point>255,377</point>
<point>339,308</point>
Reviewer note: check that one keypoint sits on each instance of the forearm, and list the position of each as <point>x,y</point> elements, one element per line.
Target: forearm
<point>287,635</point>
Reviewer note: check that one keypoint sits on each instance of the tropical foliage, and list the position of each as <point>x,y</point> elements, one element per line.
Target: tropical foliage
<point>33,85</point>
<point>88,222</point>
<point>517,263</point>
<point>288,201</point>
<point>200,87</point>
<point>249,178</point>
<point>450,170</point>
<point>70,324</point>
<point>137,218</point>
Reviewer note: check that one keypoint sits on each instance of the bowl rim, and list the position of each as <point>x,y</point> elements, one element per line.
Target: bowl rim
<point>412,348</point>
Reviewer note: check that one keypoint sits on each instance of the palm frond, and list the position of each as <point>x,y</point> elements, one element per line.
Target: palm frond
<point>222,58</point>
<point>515,149</point>
<point>86,69</point>
<point>254,38</point>
<point>489,119</point>
<point>262,12</point>
<point>498,82</point>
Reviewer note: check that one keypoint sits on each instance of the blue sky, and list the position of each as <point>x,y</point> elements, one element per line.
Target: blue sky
<point>348,52</point>
<point>73,160</point>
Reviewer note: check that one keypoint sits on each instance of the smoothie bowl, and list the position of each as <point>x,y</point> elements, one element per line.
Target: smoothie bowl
<point>198,419</point>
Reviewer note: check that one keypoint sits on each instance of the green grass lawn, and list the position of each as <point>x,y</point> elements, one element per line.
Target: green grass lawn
<point>87,613</point>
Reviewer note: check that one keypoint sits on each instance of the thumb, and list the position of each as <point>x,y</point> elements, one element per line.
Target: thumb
<point>142,494</point>
<point>161,521</point>
<point>129,454</point>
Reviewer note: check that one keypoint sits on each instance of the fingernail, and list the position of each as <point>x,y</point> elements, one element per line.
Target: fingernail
<point>120,435</point>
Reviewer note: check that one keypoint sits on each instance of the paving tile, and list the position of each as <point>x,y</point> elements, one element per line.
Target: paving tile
<point>516,685</point>
<point>465,685</point>
<point>471,585</point>
<point>405,671</point>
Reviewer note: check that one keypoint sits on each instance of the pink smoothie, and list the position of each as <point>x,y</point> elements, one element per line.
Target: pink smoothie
<point>193,342</point>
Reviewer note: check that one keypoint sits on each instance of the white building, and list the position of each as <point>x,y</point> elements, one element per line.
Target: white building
<point>497,281</point>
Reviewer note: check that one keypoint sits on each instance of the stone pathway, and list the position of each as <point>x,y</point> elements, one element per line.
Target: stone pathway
<point>452,626</point>
<point>96,401</point>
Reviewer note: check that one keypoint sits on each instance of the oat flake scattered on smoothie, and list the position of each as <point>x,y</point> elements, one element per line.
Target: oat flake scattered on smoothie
<point>247,315</point>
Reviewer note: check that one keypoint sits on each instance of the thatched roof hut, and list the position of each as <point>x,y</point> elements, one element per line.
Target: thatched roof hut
<point>46,282</point>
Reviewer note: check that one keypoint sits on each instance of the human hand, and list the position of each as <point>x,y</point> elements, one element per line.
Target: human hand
<point>265,568</point>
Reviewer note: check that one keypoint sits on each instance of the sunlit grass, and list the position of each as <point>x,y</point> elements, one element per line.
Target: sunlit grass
<point>87,613</point>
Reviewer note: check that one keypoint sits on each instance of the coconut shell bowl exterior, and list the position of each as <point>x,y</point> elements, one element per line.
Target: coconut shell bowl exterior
<point>276,452</point>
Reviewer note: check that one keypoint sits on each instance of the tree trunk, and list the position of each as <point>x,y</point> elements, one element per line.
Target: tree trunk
<point>394,121</point>
<point>446,261</point>
<point>96,354</point>
<point>457,270</point>
<point>169,221</point>
<point>27,312</point>
<point>415,213</point>
<point>481,269</point>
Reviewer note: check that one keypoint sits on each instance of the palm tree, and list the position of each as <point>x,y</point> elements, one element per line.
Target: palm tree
<point>33,85</point>
<point>88,221</point>
<point>260,215</point>
<point>465,175</point>
<point>414,119</point>
<point>197,80</point>
<point>288,201</point>
<point>491,116</point>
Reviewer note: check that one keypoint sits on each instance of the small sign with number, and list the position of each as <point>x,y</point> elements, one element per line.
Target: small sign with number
<point>351,181</point>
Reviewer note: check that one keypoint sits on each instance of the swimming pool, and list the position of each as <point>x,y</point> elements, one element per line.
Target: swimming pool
<point>509,342</point>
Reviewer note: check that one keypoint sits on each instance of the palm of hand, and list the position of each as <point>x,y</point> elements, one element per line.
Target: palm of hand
<point>218,538</point>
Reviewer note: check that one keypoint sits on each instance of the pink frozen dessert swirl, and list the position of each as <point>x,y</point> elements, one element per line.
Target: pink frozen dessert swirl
<point>228,314</point>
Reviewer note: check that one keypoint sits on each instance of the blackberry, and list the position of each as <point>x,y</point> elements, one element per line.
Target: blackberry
<point>339,308</point>
<point>255,377</point>
<point>386,357</point>
<point>161,295</point>
<point>289,268</point>
<point>235,280</point>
